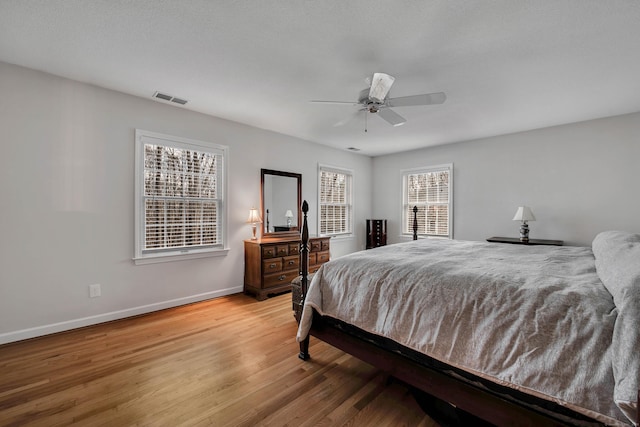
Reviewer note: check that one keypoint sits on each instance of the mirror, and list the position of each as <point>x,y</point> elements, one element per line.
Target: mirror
<point>280,203</point>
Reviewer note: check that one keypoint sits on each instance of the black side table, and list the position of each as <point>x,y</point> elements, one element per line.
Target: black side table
<point>517,241</point>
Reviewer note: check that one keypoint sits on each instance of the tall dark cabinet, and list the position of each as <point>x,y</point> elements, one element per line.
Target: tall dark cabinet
<point>376,233</point>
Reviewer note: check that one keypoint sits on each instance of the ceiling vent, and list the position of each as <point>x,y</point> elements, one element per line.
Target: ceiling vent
<point>169,98</point>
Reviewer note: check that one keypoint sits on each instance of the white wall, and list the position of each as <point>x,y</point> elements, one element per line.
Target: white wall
<point>67,194</point>
<point>579,179</point>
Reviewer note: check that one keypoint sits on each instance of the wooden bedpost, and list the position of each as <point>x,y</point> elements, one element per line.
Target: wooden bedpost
<point>304,272</point>
<point>415,223</point>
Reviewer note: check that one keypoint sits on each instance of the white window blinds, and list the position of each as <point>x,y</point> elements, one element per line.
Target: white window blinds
<point>335,201</point>
<point>430,190</point>
<point>181,197</point>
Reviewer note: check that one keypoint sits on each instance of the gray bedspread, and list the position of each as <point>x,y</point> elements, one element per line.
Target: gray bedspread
<point>533,318</point>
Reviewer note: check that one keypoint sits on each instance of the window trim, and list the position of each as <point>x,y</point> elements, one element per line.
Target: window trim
<point>350,192</point>
<point>166,255</point>
<point>426,169</point>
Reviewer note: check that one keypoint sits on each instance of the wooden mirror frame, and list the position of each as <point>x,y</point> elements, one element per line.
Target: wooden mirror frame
<point>295,231</point>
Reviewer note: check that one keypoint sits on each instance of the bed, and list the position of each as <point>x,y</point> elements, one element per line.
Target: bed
<point>515,334</point>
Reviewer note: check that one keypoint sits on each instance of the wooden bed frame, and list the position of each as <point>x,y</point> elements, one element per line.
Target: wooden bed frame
<point>496,404</point>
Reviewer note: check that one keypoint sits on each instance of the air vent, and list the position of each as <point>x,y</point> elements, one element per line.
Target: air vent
<point>353,149</point>
<point>169,98</point>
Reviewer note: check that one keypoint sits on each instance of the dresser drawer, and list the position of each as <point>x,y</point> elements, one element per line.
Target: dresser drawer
<point>324,245</point>
<point>282,250</point>
<point>291,263</point>
<point>315,246</point>
<point>272,265</point>
<point>278,279</point>
<point>294,248</point>
<point>322,257</point>
<point>314,268</point>
<point>269,251</point>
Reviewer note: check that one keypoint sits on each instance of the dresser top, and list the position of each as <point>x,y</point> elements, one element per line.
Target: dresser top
<point>269,240</point>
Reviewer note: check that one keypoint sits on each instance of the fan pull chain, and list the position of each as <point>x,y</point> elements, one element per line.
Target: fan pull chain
<point>365,120</point>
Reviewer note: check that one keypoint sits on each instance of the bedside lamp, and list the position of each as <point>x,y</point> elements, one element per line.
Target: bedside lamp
<point>254,218</point>
<point>289,215</point>
<point>524,214</point>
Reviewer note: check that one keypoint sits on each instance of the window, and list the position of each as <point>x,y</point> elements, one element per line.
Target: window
<point>180,206</point>
<point>334,194</point>
<point>430,189</point>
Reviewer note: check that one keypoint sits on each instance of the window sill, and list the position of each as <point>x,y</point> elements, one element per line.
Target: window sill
<point>159,258</point>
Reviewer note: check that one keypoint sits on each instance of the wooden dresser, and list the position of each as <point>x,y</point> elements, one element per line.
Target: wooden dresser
<point>271,264</point>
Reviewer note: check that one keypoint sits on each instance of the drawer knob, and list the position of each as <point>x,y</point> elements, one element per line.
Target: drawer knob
<point>281,278</point>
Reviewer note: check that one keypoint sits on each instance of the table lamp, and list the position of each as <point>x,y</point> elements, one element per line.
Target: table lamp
<point>254,218</point>
<point>524,214</point>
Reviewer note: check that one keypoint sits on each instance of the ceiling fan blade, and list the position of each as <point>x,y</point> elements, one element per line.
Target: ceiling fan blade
<point>391,116</point>
<point>380,85</point>
<point>335,102</point>
<point>424,99</point>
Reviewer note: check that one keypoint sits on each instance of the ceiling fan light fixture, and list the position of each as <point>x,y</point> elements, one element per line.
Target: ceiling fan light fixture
<point>380,86</point>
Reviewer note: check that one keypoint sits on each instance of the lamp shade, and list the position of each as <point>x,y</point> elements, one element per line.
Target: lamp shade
<point>524,214</point>
<point>288,214</point>
<point>254,216</point>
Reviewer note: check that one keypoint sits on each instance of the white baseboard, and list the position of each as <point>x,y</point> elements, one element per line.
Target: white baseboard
<point>67,325</point>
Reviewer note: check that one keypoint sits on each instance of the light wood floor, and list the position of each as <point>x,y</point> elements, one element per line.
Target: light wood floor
<point>231,361</point>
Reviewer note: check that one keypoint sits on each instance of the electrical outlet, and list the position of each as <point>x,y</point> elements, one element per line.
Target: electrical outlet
<point>94,291</point>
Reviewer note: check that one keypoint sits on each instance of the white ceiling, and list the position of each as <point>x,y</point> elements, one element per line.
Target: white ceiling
<point>505,65</point>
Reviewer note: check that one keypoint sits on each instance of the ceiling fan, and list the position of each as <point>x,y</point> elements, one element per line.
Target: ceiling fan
<point>374,100</point>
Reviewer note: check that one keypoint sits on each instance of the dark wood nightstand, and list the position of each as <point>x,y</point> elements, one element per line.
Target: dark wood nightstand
<point>531,242</point>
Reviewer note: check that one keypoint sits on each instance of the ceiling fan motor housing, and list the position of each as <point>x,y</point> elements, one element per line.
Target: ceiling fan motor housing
<point>370,105</point>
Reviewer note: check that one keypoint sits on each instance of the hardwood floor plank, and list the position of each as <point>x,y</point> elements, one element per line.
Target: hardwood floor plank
<point>230,361</point>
